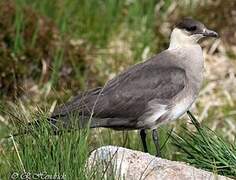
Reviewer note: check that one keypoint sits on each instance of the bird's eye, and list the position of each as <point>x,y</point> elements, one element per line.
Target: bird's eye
<point>191,28</point>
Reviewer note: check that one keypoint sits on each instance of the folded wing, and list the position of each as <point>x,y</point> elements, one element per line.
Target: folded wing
<point>126,97</point>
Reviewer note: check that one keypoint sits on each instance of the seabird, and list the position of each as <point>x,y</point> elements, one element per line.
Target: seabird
<point>148,94</point>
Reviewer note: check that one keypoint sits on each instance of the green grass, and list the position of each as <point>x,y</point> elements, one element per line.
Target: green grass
<point>66,153</point>
<point>41,152</point>
<point>99,25</point>
<point>96,23</point>
<point>206,149</point>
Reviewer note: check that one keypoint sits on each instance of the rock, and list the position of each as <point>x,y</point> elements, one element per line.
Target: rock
<point>122,163</point>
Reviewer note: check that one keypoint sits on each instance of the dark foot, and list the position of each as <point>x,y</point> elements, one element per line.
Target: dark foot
<point>143,138</point>
<point>156,142</point>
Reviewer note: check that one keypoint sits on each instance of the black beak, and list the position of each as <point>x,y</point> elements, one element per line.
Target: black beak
<point>210,33</point>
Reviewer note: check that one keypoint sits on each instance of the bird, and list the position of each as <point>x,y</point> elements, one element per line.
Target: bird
<point>148,94</point>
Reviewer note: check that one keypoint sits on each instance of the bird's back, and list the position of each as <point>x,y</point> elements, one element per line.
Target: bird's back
<point>124,102</point>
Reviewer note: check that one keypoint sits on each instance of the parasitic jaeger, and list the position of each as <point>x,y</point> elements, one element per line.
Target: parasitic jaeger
<point>148,94</point>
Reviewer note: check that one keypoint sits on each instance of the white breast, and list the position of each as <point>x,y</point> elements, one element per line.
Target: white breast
<point>181,107</point>
<point>156,114</point>
<point>149,119</point>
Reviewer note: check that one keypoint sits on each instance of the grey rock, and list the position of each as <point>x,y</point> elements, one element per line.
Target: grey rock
<point>121,163</point>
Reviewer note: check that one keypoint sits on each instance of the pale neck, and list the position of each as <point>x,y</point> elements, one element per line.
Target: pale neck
<point>179,39</point>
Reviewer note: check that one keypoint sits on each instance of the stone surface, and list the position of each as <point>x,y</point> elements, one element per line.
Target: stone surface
<point>122,163</point>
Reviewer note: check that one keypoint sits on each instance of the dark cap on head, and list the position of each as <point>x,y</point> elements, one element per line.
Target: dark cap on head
<point>195,27</point>
<point>189,24</point>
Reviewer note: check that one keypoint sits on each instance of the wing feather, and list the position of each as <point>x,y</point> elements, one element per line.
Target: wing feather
<point>127,95</point>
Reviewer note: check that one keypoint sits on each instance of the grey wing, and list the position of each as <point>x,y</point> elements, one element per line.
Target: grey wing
<point>125,98</point>
<point>128,96</point>
<point>79,103</point>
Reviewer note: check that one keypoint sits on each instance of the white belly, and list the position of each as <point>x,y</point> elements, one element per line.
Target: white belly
<point>180,108</point>
<point>160,114</point>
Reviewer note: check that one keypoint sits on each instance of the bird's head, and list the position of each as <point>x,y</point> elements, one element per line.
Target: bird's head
<point>189,32</point>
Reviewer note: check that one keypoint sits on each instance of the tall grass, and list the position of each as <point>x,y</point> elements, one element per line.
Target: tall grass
<point>41,152</point>
<point>65,153</point>
<point>206,149</point>
<point>97,23</point>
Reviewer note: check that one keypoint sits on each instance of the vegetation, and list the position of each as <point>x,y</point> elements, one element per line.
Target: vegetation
<point>206,149</point>
<point>50,50</point>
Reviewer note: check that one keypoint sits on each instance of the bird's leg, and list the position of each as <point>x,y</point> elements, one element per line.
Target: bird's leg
<point>143,137</point>
<point>156,142</point>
